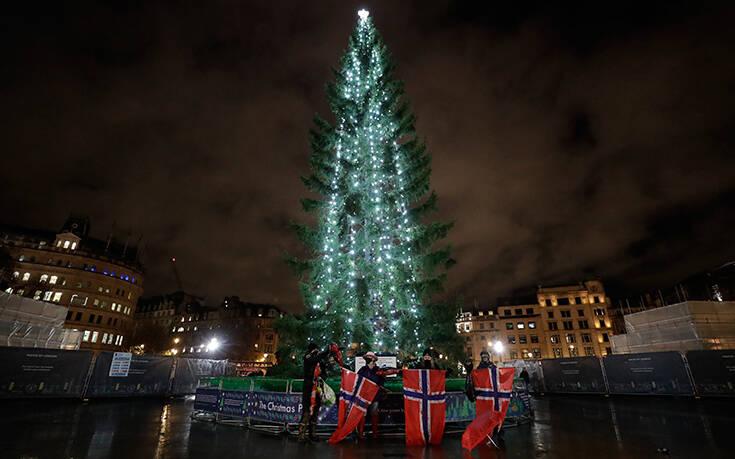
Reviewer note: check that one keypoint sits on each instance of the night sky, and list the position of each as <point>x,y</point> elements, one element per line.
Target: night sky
<point>567,141</point>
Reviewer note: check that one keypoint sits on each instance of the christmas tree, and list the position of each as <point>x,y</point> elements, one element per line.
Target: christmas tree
<point>373,258</point>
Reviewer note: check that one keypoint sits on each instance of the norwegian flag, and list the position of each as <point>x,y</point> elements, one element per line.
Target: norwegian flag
<point>424,402</point>
<point>355,395</point>
<point>493,387</point>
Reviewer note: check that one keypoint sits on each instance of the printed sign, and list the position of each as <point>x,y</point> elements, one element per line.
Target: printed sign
<point>207,399</point>
<point>274,406</point>
<point>233,402</point>
<point>120,365</point>
<point>384,361</point>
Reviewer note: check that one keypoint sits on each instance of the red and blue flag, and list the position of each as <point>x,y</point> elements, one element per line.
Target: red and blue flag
<point>355,395</point>
<point>424,402</point>
<point>493,387</point>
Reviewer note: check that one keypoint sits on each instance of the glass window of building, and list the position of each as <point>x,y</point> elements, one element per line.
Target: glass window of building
<point>522,339</point>
<point>66,244</point>
<point>520,325</point>
<point>47,295</point>
<point>57,297</point>
<point>580,312</point>
<point>511,339</point>
<point>534,339</point>
<point>588,351</point>
<point>44,278</point>
<point>85,336</point>
<point>553,326</point>
<point>94,336</point>
<point>509,325</point>
<point>550,314</point>
<point>562,301</point>
<point>532,325</point>
<point>554,339</point>
<point>529,311</point>
<point>104,338</point>
<point>571,339</point>
<point>586,338</point>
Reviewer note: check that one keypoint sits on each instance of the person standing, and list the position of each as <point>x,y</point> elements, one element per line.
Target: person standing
<point>376,375</point>
<point>313,388</point>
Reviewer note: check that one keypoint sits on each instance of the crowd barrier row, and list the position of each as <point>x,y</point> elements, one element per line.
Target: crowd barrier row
<point>694,373</point>
<point>31,372</point>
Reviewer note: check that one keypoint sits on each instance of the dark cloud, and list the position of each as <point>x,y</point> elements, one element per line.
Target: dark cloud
<point>590,139</point>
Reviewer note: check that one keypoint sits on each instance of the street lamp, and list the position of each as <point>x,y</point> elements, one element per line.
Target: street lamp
<point>213,345</point>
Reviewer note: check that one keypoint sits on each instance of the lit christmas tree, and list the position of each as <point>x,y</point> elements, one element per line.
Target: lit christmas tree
<point>372,265</point>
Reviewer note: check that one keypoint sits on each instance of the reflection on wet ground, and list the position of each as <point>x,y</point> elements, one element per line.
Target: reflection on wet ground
<point>565,427</point>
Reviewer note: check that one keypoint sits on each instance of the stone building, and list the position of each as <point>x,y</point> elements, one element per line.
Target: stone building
<point>562,321</point>
<point>99,281</point>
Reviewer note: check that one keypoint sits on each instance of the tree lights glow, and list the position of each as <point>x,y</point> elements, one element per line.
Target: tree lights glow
<point>372,264</point>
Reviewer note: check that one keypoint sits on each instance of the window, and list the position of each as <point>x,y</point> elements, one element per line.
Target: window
<point>553,326</point>
<point>90,319</point>
<point>94,336</point>
<point>562,301</point>
<point>519,311</point>
<point>482,326</point>
<point>44,278</point>
<point>602,323</point>
<point>511,339</point>
<point>599,312</point>
<point>571,339</point>
<point>522,339</point>
<point>550,314</point>
<point>586,338</point>
<point>608,351</point>
<point>85,336</point>
<point>532,325</point>
<point>78,317</point>
<point>583,325</point>
<point>557,352</point>
<point>534,339</point>
<point>568,325</point>
<point>109,320</point>
<point>99,318</point>
<point>573,352</point>
<point>520,325</point>
<point>16,274</point>
<point>68,315</point>
<point>577,300</point>
<point>513,355</point>
<point>26,276</point>
<point>566,313</point>
<point>529,311</point>
<point>57,297</point>
<point>548,302</point>
<point>53,279</point>
<point>605,338</point>
<point>536,353</point>
<point>589,351</point>
<point>506,312</point>
<point>554,339</point>
<point>482,337</point>
<point>73,245</point>
<point>595,299</point>
<point>37,295</point>
<point>509,325</point>
<point>104,338</point>
<point>47,295</point>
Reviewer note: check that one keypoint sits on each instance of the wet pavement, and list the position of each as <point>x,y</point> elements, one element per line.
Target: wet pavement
<point>565,427</point>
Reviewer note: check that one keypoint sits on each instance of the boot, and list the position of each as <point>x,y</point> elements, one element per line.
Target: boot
<point>303,428</point>
<point>374,418</point>
<point>312,429</point>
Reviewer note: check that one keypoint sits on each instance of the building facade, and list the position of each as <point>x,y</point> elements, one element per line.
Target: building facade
<point>235,330</point>
<point>564,321</point>
<point>99,281</point>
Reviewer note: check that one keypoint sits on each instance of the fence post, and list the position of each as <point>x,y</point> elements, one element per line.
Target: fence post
<point>92,364</point>
<point>604,377</point>
<point>690,375</point>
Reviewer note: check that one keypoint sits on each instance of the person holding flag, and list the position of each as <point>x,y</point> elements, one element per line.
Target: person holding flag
<point>313,388</point>
<point>376,375</point>
<point>424,402</point>
<point>492,388</point>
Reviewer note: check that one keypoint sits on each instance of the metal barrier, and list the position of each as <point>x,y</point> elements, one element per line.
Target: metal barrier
<point>33,372</point>
<point>713,372</point>
<point>654,373</point>
<point>573,375</point>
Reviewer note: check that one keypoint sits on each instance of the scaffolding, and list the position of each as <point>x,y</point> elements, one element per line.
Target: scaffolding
<point>25,322</point>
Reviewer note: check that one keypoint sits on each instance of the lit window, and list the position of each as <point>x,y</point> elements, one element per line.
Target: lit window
<point>104,338</point>
<point>73,245</point>
<point>532,325</point>
<point>44,278</point>
<point>47,295</point>
<point>57,297</point>
<point>66,244</point>
<point>53,279</point>
<point>94,336</point>
<point>16,274</point>
<point>26,276</point>
<point>520,325</point>
<point>181,329</point>
<point>85,336</point>
<point>9,290</point>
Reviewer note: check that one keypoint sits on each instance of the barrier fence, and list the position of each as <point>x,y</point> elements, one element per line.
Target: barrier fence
<point>34,372</point>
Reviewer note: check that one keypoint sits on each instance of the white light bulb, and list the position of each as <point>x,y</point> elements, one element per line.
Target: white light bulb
<point>363,13</point>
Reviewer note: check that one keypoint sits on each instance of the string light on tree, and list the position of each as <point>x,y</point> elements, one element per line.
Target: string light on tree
<point>372,263</point>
